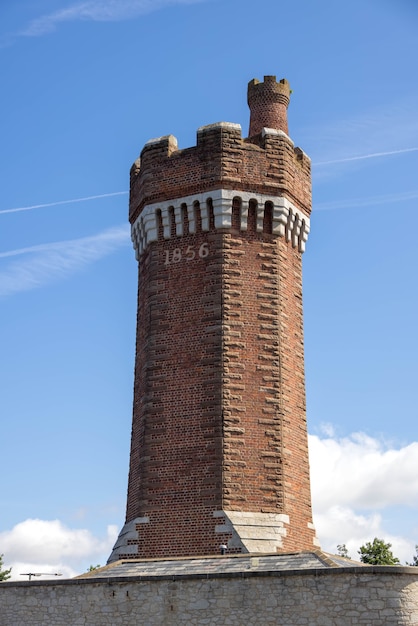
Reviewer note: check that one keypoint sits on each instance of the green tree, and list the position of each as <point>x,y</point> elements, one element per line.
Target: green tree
<point>4,573</point>
<point>415,558</point>
<point>342,551</point>
<point>93,567</point>
<point>377,553</point>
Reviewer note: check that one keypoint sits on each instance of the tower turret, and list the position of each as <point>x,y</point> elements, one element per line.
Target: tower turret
<point>268,102</point>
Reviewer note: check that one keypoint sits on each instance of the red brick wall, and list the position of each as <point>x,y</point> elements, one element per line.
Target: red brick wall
<point>176,460</point>
<point>265,444</point>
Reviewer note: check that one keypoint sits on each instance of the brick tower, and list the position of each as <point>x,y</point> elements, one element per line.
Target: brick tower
<point>219,441</point>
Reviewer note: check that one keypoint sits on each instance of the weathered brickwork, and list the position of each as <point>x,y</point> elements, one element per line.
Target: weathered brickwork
<point>265,442</point>
<point>267,164</point>
<point>268,102</point>
<point>319,598</point>
<point>219,441</point>
<point>176,459</point>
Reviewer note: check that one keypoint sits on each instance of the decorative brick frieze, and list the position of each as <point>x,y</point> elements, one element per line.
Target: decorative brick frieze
<point>287,220</point>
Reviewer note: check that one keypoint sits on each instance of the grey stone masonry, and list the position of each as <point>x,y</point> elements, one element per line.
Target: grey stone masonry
<point>253,532</point>
<point>301,589</point>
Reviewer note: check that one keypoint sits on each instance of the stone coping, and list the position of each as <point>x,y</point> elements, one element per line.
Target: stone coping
<point>233,566</point>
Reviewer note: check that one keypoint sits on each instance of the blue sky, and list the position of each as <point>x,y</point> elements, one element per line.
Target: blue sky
<point>85,85</point>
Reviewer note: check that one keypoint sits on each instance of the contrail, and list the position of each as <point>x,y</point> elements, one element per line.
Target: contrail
<point>356,203</point>
<point>55,261</point>
<point>367,156</point>
<point>41,206</point>
<point>121,193</point>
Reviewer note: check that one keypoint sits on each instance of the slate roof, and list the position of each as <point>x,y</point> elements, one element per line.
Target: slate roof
<point>221,565</point>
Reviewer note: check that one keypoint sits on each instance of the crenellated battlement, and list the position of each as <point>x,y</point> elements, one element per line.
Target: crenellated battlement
<point>225,209</point>
<point>221,159</point>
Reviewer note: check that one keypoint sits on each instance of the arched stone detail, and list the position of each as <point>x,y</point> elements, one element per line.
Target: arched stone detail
<point>185,218</point>
<point>191,216</point>
<point>179,219</point>
<point>236,213</point>
<point>268,218</point>
<point>287,220</point>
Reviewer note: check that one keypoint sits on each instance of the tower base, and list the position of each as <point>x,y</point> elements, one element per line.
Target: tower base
<point>235,532</point>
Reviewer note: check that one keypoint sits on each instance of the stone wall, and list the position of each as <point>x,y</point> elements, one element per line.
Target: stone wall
<point>330,597</point>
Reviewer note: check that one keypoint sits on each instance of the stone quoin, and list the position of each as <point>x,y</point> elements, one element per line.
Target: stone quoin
<point>219,452</point>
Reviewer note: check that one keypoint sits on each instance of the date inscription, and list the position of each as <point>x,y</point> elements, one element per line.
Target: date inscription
<point>186,254</point>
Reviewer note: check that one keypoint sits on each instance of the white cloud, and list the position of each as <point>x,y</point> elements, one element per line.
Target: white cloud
<point>327,429</point>
<point>45,263</point>
<point>99,11</point>
<point>355,481</point>
<point>342,525</point>
<point>50,547</point>
<point>359,471</point>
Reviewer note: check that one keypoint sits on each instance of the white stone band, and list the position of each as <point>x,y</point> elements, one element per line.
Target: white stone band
<point>288,221</point>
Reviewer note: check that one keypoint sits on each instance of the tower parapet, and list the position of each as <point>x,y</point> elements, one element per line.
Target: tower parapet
<point>222,159</point>
<point>219,444</point>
